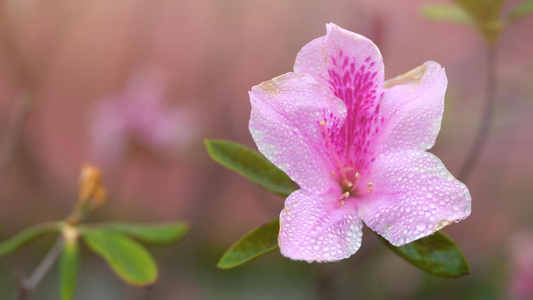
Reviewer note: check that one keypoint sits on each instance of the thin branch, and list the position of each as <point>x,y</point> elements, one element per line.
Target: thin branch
<point>486,121</point>
<point>326,285</point>
<point>21,290</point>
<point>12,133</point>
<point>26,286</point>
<point>26,75</point>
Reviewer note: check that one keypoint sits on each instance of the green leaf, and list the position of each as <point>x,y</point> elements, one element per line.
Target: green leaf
<point>26,236</point>
<point>482,10</point>
<point>128,259</point>
<point>486,14</point>
<point>446,13</point>
<point>260,241</point>
<point>69,269</point>
<point>156,234</point>
<point>436,254</point>
<point>251,164</point>
<point>522,9</point>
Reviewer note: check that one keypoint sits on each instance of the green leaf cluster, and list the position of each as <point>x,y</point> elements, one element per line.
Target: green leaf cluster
<point>118,243</point>
<point>484,15</point>
<point>436,254</point>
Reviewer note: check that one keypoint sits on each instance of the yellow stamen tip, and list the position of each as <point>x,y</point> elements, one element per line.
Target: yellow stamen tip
<point>344,196</point>
<point>349,184</point>
<point>369,187</point>
<point>322,123</point>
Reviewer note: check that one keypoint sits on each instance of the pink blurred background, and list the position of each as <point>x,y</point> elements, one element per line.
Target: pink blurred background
<point>71,56</point>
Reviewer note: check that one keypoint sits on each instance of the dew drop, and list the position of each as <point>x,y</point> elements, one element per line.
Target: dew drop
<point>467,210</point>
<point>420,226</point>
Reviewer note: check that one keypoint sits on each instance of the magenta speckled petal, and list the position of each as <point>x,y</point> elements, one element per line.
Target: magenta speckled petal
<point>412,107</point>
<point>413,196</point>
<point>315,228</point>
<point>352,67</point>
<point>284,123</point>
<point>343,52</point>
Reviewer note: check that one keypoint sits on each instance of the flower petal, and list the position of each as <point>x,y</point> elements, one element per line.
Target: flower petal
<point>413,196</point>
<point>285,125</point>
<point>340,50</point>
<point>352,67</point>
<point>412,107</point>
<point>315,228</point>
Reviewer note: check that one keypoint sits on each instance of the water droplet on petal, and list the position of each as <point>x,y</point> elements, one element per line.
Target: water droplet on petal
<point>467,210</point>
<point>420,226</point>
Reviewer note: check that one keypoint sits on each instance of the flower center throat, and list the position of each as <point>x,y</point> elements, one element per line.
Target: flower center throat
<point>347,177</point>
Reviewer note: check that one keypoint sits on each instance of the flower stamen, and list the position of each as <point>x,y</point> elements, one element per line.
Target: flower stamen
<point>343,197</point>
<point>348,184</point>
<point>357,177</point>
<point>339,163</point>
<point>369,188</point>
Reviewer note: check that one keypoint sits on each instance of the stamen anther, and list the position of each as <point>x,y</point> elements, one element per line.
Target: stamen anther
<point>343,197</point>
<point>348,183</point>
<point>357,178</point>
<point>369,187</point>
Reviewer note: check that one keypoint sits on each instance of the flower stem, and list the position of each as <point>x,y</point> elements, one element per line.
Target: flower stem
<point>24,75</point>
<point>326,282</point>
<point>12,134</point>
<point>484,128</point>
<point>26,286</point>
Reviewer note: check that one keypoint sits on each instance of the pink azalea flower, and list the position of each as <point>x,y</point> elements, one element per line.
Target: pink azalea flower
<point>356,145</point>
<point>139,114</point>
<point>522,266</point>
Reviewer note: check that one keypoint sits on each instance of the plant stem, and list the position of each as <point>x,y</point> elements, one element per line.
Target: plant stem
<point>12,134</point>
<point>326,281</point>
<point>485,126</point>
<point>25,76</point>
<point>26,286</point>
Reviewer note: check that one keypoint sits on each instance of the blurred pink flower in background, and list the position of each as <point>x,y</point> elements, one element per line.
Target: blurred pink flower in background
<point>139,117</point>
<point>522,266</point>
<point>356,146</point>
